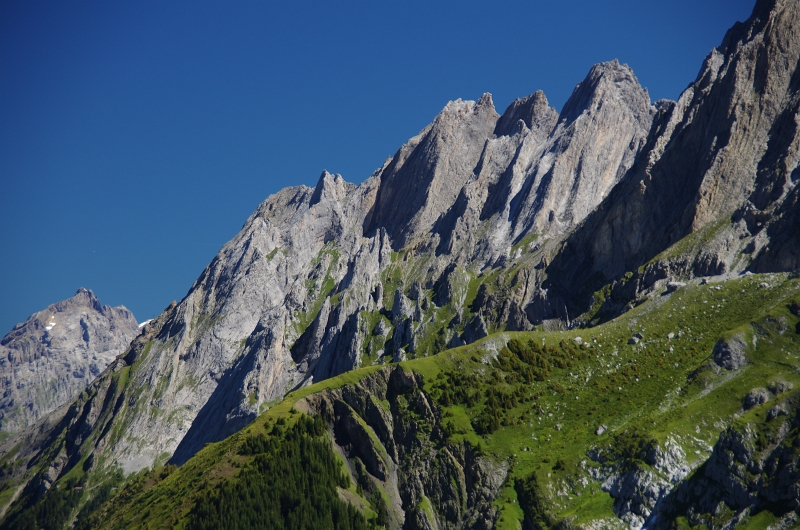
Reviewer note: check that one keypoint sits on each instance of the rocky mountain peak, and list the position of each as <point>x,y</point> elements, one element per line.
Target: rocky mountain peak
<point>608,83</point>
<point>534,111</point>
<point>600,131</point>
<point>82,298</point>
<point>480,224</point>
<point>50,357</point>
<point>426,175</point>
<point>485,102</point>
<point>329,186</point>
<point>722,159</point>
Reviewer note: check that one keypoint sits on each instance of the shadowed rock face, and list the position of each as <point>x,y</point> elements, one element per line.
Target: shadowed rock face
<point>48,359</point>
<point>726,152</point>
<point>427,174</point>
<point>405,457</point>
<point>299,294</point>
<point>742,476</point>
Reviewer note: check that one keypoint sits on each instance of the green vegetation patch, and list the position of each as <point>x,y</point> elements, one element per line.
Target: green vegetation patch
<point>535,401</point>
<point>291,483</point>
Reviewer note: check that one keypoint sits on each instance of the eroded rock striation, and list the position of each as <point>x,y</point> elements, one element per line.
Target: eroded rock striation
<point>721,162</point>
<point>391,433</point>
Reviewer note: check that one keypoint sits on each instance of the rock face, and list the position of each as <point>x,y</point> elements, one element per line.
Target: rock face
<point>730,353</point>
<point>48,359</point>
<point>479,223</point>
<point>390,431</point>
<point>749,469</point>
<point>721,160</point>
<point>637,483</point>
<point>294,296</point>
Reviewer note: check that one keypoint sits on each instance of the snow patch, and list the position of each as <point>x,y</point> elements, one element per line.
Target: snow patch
<point>146,322</point>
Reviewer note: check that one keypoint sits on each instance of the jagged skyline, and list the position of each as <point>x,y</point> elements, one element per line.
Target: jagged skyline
<point>532,290</point>
<point>135,148</point>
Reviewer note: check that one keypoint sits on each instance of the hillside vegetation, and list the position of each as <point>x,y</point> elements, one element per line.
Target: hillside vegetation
<point>590,425</point>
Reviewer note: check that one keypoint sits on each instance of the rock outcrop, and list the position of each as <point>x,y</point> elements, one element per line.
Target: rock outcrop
<point>638,482</point>
<point>730,353</point>
<point>721,161</point>
<point>48,359</point>
<point>751,468</point>
<point>392,435</point>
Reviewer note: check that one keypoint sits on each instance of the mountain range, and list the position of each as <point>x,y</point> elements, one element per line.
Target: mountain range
<point>503,253</point>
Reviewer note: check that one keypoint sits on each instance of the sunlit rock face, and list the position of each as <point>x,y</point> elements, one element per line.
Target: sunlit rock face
<point>480,222</point>
<point>48,359</point>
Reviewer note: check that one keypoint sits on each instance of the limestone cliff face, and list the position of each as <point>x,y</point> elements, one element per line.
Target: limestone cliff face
<point>48,359</point>
<point>288,300</point>
<point>601,129</point>
<point>480,222</point>
<point>425,176</point>
<point>723,158</point>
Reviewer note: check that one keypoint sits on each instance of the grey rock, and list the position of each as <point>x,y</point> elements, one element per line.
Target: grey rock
<point>450,287</point>
<point>456,341</point>
<point>533,111</point>
<point>730,353</point>
<point>377,295</point>
<point>757,396</point>
<point>516,319</point>
<point>635,494</point>
<point>609,92</point>
<point>779,387</point>
<point>740,474</point>
<point>670,459</point>
<point>474,330</point>
<point>401,308</point>
<point>701,141</point>
<point>638,489</point>
<point>48,359</point>
<point>416,293</point>
<point>381,328</point>
<point>778,410</point>
<point>399,355</point>
<point>674,286</point>
<point>406,454</point>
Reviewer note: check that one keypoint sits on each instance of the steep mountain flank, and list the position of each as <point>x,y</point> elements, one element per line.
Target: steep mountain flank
<point>298,294</point>
<point>530,221</point>
<point>722,161</point>
<point>578,429</point>
<point>424,178</point>
<point>48,359</point>
<point>752,469</point>
<point>391,432</point>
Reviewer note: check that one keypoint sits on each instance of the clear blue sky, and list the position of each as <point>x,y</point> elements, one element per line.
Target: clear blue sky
<point>137,137</point>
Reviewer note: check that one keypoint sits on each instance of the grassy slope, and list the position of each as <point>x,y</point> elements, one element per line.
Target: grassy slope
<point>662,386</point>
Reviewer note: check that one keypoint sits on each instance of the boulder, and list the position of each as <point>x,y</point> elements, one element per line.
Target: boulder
<point>730,353</point>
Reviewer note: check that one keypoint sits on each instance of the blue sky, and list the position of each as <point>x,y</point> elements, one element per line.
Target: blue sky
<point>137,137</point>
